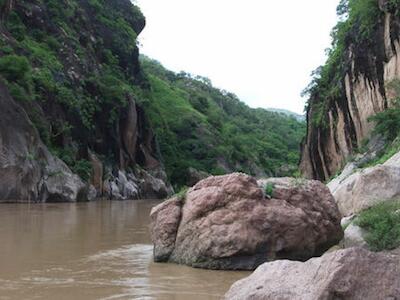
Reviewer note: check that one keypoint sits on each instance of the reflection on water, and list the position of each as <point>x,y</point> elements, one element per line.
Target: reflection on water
<point>97,250</point>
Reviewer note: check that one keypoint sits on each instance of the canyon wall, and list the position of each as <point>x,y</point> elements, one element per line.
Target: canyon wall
<point>364,92</point>
<point>67,103</point>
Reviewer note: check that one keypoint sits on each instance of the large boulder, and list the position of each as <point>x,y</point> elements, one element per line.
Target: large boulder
<point>154,185</point>
<point>59,184</point>
<point>142,185</point>
<point>165,220</point>
<point>226,222</point>
<point>368,187</point>
<point>353,273</point>
<point>123,186</point>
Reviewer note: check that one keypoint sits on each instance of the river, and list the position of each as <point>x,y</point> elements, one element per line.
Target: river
<point>98,250</point>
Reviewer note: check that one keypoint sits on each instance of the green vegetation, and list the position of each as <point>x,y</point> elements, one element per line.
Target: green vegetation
<point>73,66</point>
<point>203,127</point>
<point>383,225</point>
<point>387,123</point>
<point>181,195</point>
<point>14,67</point>
<point>62,66</point>
<point>389,150</point>
<point>81,167</point>
<point>269,189</point>
<point>358,22</point>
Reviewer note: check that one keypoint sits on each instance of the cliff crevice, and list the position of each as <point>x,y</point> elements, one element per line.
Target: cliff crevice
<point>363,92</point>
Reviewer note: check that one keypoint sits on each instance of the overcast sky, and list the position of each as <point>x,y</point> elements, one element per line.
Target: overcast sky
<point>262,50</point>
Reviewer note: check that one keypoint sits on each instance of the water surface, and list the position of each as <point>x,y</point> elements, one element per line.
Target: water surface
<point>98,250</point>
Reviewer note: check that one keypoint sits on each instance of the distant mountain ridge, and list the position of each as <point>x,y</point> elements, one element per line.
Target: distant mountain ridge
<point>297,116</point>
<point>200,126</point>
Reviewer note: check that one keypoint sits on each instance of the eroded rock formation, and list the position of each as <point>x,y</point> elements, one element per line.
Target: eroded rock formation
<point>364,93</point>
<point>118,141</point>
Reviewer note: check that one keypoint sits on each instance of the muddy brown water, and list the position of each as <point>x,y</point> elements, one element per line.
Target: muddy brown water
<point>98,250</point>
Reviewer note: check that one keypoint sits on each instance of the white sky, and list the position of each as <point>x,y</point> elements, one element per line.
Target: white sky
<point>262,50</point>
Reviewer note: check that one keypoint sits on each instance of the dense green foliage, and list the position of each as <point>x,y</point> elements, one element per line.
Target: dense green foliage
<point>387,123</point>
<point>73,64</point>
<point>358,22</point>
<point>269,189</point>
<point>383,225</point>
<point>384,155</point>
<point>203,127</point>
<point>54,62</point>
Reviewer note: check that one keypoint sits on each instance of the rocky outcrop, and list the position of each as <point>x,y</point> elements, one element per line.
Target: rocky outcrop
<point>354,236</point>
<point>97,173</point>
<point>138,185</point>
<point>226,222</point>
<point>364,188</point>
<point>353,273</point>
<point>121,187</point>
<point>70,112</point>
<point>28,172</point>
<point>153,185</point>
<point>364,92</point>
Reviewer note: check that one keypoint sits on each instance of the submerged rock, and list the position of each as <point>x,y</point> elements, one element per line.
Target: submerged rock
<point>353,273</point>
<point>226,222</point>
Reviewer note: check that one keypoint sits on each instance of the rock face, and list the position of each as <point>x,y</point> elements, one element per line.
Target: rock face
<point>353,273</point>
<point>28,172</point>
<point>142,185</point>
<point>365,188</point>
<point>354,237</point>
<point>194,176</point>
<point>364,92</point>
<point>112,138</point>
<point>226,222</point>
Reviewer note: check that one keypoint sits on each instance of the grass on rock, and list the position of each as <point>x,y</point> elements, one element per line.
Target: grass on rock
<point>383,225</point>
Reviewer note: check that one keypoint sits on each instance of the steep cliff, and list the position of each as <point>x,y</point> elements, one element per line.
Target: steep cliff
<point>353,85</point>
<point>28,170</point>
<point>72,67</point>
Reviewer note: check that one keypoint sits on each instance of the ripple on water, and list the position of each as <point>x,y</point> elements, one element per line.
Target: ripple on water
<point>80,252</point>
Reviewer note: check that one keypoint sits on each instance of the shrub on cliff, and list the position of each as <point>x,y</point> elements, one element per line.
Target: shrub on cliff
<point>383,225</point>
<point>14,67</point>
<point>388,121</point>
<point>358,22</point>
